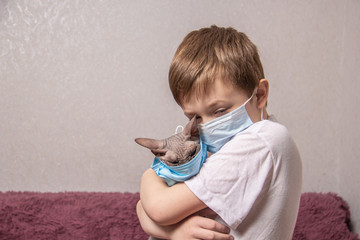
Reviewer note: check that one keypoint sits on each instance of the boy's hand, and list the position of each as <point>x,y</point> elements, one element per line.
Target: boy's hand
<point>198,227</point>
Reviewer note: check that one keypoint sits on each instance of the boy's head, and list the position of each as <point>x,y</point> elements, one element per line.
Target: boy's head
<point>214,53</point>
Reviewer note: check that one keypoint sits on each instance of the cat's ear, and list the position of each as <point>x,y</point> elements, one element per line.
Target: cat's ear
<point>156,146</point>
<point>191,128</point>
<point>149,143</point>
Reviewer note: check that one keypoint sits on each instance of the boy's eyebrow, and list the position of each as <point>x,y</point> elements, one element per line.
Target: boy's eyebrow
<point>209,106</point>
<point>215,103</point>
<point>188,114</point>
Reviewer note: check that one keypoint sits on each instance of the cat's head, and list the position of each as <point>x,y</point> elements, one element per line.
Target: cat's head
<point>177,149</point>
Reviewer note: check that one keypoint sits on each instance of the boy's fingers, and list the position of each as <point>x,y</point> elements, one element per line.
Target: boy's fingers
<point>205,234</point>
<point>213,225</point>
<point>198,227</point>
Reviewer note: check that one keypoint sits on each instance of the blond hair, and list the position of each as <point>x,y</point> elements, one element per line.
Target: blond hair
<point>214,53</point>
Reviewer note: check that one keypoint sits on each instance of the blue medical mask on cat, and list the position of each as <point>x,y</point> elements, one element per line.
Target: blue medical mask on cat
<point>174,174</point>
<point>220,130</point>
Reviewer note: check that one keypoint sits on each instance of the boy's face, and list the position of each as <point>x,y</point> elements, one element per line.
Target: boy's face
<point>222,97</point>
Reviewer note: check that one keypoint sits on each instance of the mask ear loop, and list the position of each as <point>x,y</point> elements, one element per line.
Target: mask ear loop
<point>177,129</point>
<point>262,114</point>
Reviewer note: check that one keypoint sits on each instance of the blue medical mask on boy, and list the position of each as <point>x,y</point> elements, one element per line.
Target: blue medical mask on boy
<point>220,130</point>
<point>174,174</point>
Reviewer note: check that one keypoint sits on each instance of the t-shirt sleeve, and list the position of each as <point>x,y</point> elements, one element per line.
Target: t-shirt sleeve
<point>235,178</point>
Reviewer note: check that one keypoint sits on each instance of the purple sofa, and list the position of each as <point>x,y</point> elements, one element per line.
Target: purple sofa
<point>83,215</point>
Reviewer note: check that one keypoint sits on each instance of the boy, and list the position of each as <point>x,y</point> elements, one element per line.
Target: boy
<point>252,180</point>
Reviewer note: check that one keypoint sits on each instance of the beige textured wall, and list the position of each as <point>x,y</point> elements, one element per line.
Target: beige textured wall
<point>79,80</point>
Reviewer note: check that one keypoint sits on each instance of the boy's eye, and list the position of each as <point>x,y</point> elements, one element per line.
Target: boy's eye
<point>220,112</point>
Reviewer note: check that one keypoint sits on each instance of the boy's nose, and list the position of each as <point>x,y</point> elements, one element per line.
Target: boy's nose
<point>206,119</point>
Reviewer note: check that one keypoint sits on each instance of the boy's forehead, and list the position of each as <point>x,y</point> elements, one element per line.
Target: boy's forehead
<point>195,101</point>
<point>198,94</point>
<point>206,88</point>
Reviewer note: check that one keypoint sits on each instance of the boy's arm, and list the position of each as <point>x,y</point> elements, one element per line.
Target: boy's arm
<point>193,227</point>
<point>150,227</point>
<point>167,205</point>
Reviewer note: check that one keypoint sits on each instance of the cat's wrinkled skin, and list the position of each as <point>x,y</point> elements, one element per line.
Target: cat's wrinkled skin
<point>177,149</point>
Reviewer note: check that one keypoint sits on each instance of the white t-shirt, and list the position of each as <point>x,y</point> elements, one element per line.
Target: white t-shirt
<point>254,182</point>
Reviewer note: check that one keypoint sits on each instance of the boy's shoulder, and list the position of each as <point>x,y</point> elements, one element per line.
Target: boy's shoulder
<point>270,128</point>
<point>268,133</point>
<point>275,136</point>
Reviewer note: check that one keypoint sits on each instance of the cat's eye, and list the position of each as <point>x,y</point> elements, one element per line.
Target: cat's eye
<point>192,153</point>
<point>158,153</point>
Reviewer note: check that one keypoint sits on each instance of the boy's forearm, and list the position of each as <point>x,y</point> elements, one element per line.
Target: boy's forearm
<point>157,201</point>
<point>194,227</point>
<point>167,205</point>
<point>149,226</point>
<point>152,189</point>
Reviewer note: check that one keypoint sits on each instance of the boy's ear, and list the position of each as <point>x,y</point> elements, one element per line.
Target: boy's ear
<point>262,93</point>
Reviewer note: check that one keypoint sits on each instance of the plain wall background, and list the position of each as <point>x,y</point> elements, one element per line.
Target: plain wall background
<point>80,80</point>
